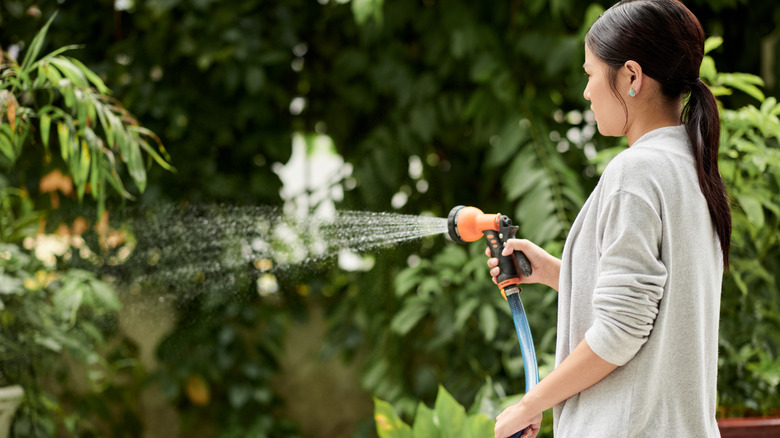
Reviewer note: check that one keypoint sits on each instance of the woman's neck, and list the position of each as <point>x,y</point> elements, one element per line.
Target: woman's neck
<point>653,115</point>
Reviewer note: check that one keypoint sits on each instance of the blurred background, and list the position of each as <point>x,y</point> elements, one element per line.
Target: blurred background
<point>258,108</point>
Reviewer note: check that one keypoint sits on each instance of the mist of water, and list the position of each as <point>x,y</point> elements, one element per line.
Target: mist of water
<point>176,245</point>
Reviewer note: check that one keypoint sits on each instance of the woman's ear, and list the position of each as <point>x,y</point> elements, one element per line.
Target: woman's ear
<point>633,72</point>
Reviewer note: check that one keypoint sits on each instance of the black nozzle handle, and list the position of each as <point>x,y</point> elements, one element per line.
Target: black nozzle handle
<point>508,265</point>
<point>508,231</point>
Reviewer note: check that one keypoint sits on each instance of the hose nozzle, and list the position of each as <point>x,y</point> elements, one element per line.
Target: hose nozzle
<point>467,224</point>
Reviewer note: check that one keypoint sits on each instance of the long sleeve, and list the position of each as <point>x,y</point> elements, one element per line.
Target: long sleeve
<point>631,278</point>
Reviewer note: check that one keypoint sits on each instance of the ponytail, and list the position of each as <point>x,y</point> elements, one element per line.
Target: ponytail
<point>702,122</point>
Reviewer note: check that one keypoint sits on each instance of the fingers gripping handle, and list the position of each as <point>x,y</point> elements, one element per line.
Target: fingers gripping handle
<point>508,265</point>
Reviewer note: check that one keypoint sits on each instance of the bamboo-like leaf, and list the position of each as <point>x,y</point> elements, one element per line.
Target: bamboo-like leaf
<point>91,76</point>
<point>63,134</point>
<point>118,133</point>
<point>67,93</point>
<point>136,168</point>
<point>6,145</point>
<point>58,52</point>
<point>96,178</point>
<point>103,117</point>
<point>50,72</point>
<point>116,183</point>
<point>82,170</point>
<point>70,71</point>
<point>155,156</point>
<point>161,158</point>
<point>45,127</point>
<point>36,45</point>
<point>19,140</point>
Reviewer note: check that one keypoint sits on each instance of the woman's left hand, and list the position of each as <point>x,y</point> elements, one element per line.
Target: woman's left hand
<point>514,419</point>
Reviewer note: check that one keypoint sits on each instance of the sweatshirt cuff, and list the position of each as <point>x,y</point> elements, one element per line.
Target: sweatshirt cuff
<point>612,344</point>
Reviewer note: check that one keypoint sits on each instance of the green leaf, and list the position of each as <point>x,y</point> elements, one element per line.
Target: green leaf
<point>160,157</point>
<point>96,177</point>
<point>35,46</point>
<point>591,15</point>
<point>424,423</point>
<point>388,424</point>
<point>80,171</point>
<point>48,342</point>
<point>753,209</point>
<point>135,165</point>
<point>479,426</point>
<point>450,414</point>
<point>744,82</point>
<point>712,43</point>
<point>707,71</point>
<point>363,10</point>
<point>70,71</point>
<point>91,76</point>
<point>488,321</point>
<point>464,311</point>
<point>63,134</point>
<point>407,318</point>
<point>45,127</point>
<point>10,285</point>
<point>67,300</point>
<point>6,145</point>
<point>104,296</point>
<point>405,281</point>
<point>514,134</point>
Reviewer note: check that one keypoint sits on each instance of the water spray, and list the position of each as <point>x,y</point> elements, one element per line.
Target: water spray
<point>469,224</point>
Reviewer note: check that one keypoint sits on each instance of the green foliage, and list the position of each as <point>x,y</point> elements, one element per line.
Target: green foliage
<point>447,419</point>
<point>452,327</point>
<point>60,338</point>
<point>749,372</point>
<point>94,133</point>
<point>223,385</point>
<point>59,325</point>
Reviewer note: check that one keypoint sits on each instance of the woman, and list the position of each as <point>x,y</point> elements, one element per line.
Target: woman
<point>640,277</point>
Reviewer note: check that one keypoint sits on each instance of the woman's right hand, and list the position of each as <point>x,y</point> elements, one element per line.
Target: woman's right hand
<point>546,268</point>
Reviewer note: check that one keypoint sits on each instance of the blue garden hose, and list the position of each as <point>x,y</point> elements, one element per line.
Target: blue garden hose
<point>526,341</point>
<point>530,366</point>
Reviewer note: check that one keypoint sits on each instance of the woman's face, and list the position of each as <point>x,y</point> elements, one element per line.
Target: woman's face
<point>608,111</point>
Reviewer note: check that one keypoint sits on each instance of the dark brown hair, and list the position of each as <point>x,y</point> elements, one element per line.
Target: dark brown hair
<point>667,40</point>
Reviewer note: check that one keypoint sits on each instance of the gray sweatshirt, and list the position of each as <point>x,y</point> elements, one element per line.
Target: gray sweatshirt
<point>641,281</point>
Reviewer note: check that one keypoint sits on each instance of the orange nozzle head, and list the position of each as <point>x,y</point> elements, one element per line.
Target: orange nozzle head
<point>465,224</point>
